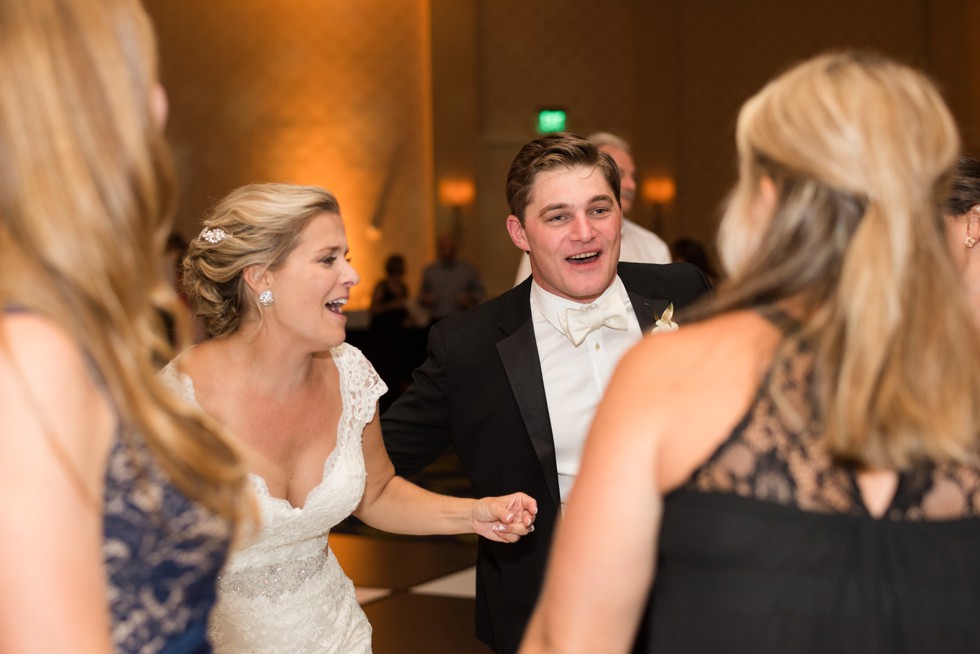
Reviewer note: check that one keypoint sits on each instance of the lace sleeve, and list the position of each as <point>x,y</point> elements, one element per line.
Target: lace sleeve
<point>181,384</point>
<point>363,382</point>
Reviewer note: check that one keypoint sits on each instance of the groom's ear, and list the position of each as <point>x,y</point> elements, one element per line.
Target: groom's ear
<point>516,231</point>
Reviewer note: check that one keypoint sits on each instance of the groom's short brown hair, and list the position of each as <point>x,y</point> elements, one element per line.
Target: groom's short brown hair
<point>557,150</point>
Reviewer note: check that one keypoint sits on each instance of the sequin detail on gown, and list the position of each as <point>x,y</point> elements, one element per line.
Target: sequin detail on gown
<point>285,593</point>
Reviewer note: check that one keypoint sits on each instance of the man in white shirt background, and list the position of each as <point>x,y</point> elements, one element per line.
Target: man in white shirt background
<point>637,244</point>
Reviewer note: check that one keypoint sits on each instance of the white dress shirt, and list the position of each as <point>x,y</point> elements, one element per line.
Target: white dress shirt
<point>576,377</point>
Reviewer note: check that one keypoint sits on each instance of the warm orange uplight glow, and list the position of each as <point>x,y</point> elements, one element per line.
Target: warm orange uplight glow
<point>659,190</point>
<point>456,192</point>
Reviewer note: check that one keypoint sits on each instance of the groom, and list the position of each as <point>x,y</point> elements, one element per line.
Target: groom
<point>512,384</point>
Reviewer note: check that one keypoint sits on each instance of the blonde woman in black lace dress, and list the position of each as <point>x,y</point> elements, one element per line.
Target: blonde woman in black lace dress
<point>797,471</point>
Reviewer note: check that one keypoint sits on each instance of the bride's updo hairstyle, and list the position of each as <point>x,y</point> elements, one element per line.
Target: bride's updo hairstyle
<point>858,150</point>
<point>255,225</point>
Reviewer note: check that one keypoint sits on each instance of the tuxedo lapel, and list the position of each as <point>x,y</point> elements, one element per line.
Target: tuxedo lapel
<point>519,353</point>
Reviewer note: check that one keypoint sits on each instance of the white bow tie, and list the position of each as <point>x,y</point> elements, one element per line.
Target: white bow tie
<point>611,312</point>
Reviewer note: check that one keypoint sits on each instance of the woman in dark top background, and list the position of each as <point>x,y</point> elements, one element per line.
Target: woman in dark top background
<point>963,226</point>
<point>798,470</point>
<point>396,345</point>
<point>389,301</point>
<point>119,502</point>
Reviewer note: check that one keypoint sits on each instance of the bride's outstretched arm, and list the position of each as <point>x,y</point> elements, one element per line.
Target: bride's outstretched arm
<point>394,504</point>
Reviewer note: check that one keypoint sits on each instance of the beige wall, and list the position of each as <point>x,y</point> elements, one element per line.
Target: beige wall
<point>332,93</point>
<point>380,100</point>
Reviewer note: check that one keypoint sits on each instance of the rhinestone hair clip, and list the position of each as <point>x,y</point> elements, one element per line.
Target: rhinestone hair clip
<point>214,236</point>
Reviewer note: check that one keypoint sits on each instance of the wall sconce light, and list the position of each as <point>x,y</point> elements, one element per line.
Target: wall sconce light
<point>456,193</point>
<point>658,191</point>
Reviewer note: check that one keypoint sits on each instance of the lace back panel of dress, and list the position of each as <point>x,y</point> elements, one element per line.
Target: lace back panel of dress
<point>776,455</point>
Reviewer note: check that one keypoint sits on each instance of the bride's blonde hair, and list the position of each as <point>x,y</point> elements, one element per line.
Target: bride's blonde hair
<point>86,192</point>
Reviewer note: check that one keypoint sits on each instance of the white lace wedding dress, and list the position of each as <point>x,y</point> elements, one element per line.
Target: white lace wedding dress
<point>284,592</point>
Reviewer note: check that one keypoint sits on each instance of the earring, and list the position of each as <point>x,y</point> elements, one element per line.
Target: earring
<point>266,299</point>
<point>970,242</point>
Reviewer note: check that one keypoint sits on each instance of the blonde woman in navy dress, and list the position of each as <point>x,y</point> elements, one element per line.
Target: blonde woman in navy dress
<point>118,502</point>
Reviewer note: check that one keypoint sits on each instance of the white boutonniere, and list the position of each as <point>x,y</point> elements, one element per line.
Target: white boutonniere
<point>665,323</point>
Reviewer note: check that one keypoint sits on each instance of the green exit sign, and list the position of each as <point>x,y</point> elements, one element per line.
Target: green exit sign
<point>551,120</point>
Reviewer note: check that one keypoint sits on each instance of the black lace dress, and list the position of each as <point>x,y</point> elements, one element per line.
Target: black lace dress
<point>769,546</point>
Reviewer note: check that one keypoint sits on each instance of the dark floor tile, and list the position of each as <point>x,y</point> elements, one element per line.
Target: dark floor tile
<point>399,563</point>
<point>424,624</point>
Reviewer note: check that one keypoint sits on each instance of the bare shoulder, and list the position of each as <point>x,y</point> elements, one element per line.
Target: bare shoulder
<point>699,353</point>
<point>211,366</point>
<point>687,389</point>
<point>39,353</point>
<point>197,358</point>
<point>51,399</point>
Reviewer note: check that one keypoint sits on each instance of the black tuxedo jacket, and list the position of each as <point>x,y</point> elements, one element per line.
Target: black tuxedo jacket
<point>480,390</point>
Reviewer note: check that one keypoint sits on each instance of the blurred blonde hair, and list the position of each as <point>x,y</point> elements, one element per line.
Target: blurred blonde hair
<point>263,223</point>
<point>86,192</point>
<point>860,151</point>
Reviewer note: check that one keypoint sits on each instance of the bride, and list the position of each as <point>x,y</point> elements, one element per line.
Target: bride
<point>269,275</point>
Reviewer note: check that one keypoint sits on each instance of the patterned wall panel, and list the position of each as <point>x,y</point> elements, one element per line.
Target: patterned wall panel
<point>338,92</point>
<point>567,53</point>
<point>560,52</point>
<point>729,50</point>
<point>327,92</point>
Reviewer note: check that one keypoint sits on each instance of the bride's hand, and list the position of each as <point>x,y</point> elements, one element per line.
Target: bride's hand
<point>504,519</point>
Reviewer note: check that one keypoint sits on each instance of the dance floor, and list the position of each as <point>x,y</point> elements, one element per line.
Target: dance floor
<point>417,593</point>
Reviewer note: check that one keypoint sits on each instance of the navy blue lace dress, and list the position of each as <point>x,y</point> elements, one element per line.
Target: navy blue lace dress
<point>162,554</point>
<point>769,546</point>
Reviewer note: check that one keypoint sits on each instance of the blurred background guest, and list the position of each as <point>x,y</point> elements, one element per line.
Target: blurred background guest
<point>691,250</point>
<point>963,226</point>
<point>449,285</point>
<point>119,502</point>
<point>828,500</point>
<point>639,245</point>
<point>389,301</point>
<point>173,259</point>
<point>395,344</point>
